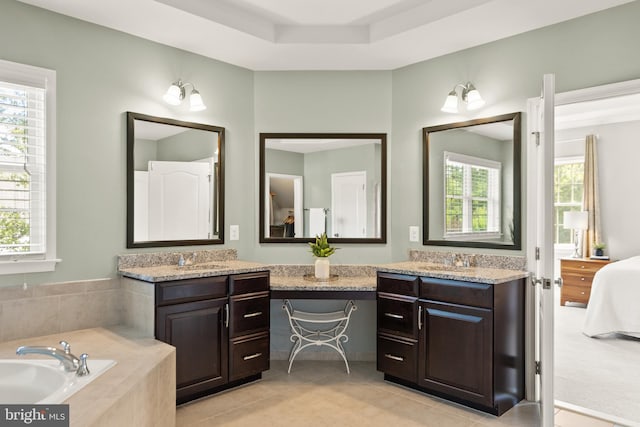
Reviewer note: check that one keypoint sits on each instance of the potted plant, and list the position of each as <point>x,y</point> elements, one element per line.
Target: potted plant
<point>598,248</point>
<point>322,250</point>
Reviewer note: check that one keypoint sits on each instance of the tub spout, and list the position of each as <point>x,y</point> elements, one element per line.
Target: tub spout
<point>70,362</point>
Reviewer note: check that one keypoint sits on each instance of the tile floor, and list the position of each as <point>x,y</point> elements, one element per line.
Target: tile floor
<point>322,394</point>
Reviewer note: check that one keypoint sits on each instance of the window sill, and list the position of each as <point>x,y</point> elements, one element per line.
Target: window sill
<point>28,266</point>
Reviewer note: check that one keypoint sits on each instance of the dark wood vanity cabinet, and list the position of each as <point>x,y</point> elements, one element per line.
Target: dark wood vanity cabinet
<point>466,342</point>
<point>220,328</point>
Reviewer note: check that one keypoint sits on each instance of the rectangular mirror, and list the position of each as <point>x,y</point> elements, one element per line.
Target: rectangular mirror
<point>472,183</point>
<point>312,183</point>
<point>175,182</point>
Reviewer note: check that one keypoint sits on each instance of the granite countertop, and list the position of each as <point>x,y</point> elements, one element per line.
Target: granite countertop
<point>340,283</point>
<point>441,271</point>
<point>164,273</point>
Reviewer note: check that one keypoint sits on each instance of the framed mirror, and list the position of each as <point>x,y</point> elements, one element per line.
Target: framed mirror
<point>175,182</point>
<point>312,183</point>
<point>472,183</point>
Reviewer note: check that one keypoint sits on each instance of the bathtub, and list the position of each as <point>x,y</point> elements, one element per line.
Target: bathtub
<point>35,381</point>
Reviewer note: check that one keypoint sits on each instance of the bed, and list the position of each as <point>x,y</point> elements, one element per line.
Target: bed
<point>614,304</point>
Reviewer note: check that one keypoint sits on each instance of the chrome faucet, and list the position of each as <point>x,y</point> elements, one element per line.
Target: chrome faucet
<point>70,362</point>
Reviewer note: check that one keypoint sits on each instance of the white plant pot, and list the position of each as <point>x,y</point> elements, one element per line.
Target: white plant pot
<point>322,268</point>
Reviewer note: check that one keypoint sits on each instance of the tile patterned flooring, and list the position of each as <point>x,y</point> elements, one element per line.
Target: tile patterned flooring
<point>320,393</point>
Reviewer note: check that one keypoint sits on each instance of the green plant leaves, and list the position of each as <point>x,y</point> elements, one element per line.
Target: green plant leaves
<point>321,247</point>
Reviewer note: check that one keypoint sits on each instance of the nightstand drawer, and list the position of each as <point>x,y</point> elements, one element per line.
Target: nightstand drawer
<point>577,280</point>
<point>581,266</point>
<point>576,293</point>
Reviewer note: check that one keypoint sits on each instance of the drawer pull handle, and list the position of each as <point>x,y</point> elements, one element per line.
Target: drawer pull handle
<point>396,358</point>
<point>252,356</point>
<point>582,293</point>
<point>419,317</point>
<point>394,316</point>
<point>582,266</point>
<point>257,313</point>
<point>582,278</point>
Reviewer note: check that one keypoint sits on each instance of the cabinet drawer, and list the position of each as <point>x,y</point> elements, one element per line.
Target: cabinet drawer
<point>397,315</point>
<point>457,292</point>
<point>397,357</point>
<point>178,291</point>
<point>249,313</point>
<point>398,284</point>
<point>577,280</point>
<point>248,356</point>
<point>575,293</point>
<point>248,283</point>
<point>581,267</point>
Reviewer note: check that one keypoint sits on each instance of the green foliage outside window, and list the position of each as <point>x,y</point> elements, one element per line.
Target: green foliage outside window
<point>568,192</point>
<point>14,186</point>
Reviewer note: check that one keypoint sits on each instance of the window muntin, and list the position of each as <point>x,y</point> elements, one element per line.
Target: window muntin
<point>472,196</point>
<point>568,193</point>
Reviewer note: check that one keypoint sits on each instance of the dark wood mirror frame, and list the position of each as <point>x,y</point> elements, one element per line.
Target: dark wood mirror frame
<point>382,137</point>
<point>219,200</point>
<point>516,244</point>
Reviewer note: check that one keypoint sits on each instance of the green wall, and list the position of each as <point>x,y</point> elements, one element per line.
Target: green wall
<point>103,73</point>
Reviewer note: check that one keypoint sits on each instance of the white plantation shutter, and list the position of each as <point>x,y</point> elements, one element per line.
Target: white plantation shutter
<point>27,96</point>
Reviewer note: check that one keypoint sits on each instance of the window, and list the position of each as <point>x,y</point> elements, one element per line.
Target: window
<point>472,196</point>
<point>27,165</point>
<point>568,189</point>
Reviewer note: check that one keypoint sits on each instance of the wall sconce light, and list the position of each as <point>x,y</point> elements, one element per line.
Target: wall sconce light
<point>176,93</point>
<point>470,95</point>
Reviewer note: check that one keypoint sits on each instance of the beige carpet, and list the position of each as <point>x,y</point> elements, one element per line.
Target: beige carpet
<point>602,374</point>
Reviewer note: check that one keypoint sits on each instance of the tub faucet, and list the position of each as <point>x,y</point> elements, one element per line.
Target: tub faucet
<point>70,362</point>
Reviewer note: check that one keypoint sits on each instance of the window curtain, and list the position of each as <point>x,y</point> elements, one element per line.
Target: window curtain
<point>591,196</point>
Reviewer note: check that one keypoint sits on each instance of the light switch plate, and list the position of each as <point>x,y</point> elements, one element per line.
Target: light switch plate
<point>414,233</point>
<point>234,232</point>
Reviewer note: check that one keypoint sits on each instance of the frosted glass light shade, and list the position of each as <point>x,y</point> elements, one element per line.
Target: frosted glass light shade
<point>195,100</point>
<point>173,95</point>
<point>451,103</point>
<point>474,100</point>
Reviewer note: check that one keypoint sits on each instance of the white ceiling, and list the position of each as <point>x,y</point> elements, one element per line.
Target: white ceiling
<point>324,34</point>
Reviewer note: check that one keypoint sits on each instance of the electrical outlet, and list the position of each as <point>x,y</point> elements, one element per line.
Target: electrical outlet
<point>414,233</point>
<point>234,232</point>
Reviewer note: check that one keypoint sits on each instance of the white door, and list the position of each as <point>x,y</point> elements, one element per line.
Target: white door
<point>179,201</point>
<point>540,215</point>
<point>349,204</point>
<point>140,206</point>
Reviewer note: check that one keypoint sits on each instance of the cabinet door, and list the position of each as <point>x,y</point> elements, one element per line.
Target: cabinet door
<point>455,351</point>
<point>199,333</point>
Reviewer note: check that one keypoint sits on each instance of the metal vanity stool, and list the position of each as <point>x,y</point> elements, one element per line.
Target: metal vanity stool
<point>332,335</point>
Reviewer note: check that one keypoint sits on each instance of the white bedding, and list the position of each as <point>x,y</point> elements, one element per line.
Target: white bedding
<point>614,304</point>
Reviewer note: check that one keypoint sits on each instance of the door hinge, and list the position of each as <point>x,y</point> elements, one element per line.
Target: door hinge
<point>537,135</point>
<point>538,369</point>
<point>537,253</point>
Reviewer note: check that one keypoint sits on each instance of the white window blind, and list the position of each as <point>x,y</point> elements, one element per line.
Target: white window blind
<point>472,196</point>
<point>27,214</point>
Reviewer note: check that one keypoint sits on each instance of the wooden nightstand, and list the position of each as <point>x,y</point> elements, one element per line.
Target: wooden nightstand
<point>577,276</point>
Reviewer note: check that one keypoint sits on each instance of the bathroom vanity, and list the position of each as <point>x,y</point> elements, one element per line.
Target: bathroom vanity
<point>217,316</point>
<point>459,335</point>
